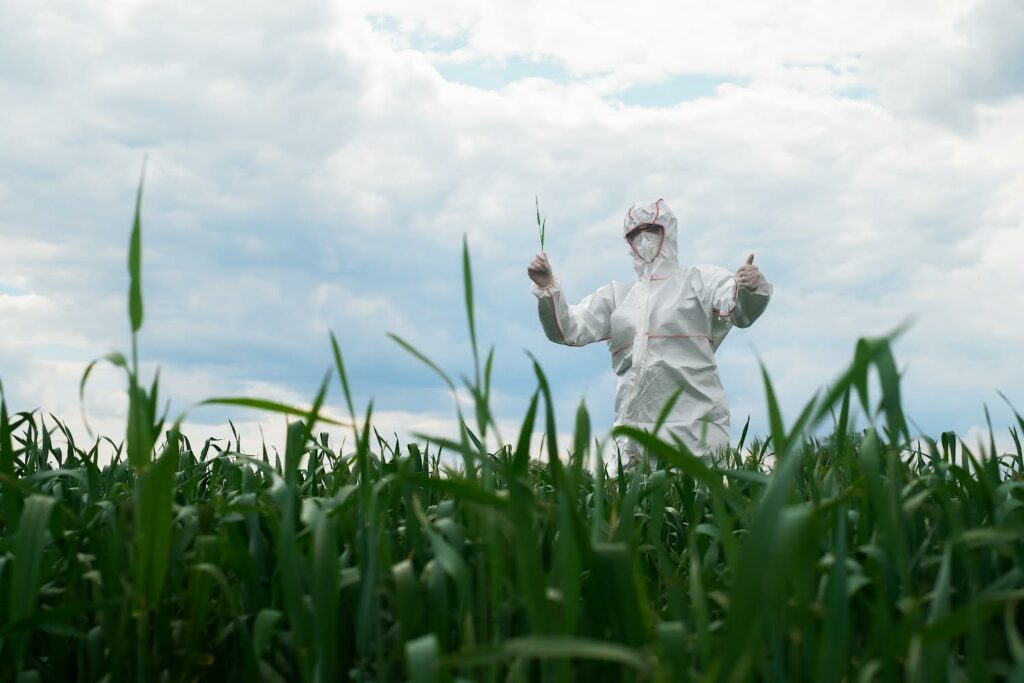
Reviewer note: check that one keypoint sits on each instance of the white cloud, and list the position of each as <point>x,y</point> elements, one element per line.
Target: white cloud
<point>943,73</point>
<point>309,171</point>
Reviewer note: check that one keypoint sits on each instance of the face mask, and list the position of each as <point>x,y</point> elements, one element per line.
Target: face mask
<point>647,244</point>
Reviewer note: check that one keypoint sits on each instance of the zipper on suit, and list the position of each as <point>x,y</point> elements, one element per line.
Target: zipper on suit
<point>640,347</point>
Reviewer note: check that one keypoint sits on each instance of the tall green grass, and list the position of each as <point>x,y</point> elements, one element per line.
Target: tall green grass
<point>856,556</point>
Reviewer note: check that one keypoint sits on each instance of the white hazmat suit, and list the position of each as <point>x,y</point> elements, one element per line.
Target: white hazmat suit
<point>662,331</point>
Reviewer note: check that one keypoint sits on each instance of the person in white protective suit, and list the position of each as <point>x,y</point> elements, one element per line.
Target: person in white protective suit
<point>662,330</point>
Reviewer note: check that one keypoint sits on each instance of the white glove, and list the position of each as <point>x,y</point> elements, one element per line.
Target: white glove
<point>749,276</point>
<point>539,271</point>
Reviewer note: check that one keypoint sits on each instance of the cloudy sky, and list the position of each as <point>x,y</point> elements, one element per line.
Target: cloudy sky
<point>314,166</point>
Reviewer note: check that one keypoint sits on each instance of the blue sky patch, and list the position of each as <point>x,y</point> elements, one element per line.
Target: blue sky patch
<point>856,92</point>
<point>488,75</point>
<point>11,290</point>
<point>422,41</point>
<point>672,91</point>
<point>484,74</point>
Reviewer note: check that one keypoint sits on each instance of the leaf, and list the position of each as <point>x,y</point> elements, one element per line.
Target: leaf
<point>426,361</point>
<point>141,435</point>
<point>421,659</point>
<point>686,462</point>
<point>621,598</point>
<point>116,359</point>
<point>29,544</point>
<point>549,415</point>
<point>154,495</point>
<point>290,574</point>
<point>325,595</point>
<point>135,260</point>
<point>1013,637</point>
<point>340,364</point>
<point>11,496</point>
<point>541,224</point>
<point>270,406</point>
<point>263,630</point>
<point>969,616</point>
<point>667,409</point>
<point>446,555</point>
<point>581,440</point>
<point>455,488</point>
<point>743,435</point>
<point>555,647</point>
<point>521,458</point>
<point>467,282</point>
<point>778,429</point>
<point>407,597</point>
<point>674,648</point>
<point>833,660</point>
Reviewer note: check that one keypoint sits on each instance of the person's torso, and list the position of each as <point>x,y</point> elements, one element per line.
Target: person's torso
<point>661,338</point>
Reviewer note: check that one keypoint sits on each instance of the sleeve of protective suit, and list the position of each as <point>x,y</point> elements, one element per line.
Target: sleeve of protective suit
<point>586,322</point>
<point>740,306</point>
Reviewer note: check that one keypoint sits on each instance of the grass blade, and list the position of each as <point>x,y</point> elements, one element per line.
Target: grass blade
<point>135,260</point>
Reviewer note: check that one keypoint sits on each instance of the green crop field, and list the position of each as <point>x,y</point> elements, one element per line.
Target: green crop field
<point>864,555</point>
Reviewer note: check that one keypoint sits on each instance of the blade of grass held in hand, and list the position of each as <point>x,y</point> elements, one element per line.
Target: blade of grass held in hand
<point>541,224</point>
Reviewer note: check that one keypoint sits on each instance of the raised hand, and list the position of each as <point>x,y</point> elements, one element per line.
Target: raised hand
<point>749,276</point>
<point>539,271</point>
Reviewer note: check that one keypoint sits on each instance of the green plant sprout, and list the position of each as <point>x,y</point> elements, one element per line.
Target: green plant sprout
<point>540,223</point>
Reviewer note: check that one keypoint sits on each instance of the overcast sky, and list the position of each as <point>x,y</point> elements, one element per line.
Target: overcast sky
<point>314,166</point>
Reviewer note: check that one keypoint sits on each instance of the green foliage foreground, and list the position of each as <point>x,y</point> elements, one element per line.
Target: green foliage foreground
<point>854,557</point>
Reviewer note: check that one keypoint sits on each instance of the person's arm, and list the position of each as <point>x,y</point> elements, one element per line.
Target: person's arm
<point>742,297</point>
<point>586,322</point>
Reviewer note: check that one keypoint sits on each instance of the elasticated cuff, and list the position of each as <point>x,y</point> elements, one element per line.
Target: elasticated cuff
<point>541,292</point>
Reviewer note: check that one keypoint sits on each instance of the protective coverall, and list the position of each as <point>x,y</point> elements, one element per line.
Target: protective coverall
<point>662,331</point>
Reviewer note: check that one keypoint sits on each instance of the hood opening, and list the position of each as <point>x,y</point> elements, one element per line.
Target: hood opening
<point>647,227</point>
<point>643,214</point>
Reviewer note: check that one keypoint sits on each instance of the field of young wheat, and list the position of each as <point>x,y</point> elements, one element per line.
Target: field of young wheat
<point>864,555</point>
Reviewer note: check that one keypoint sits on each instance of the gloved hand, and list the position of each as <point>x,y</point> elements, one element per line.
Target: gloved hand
<point>749,276</point>
<point>539,271</point>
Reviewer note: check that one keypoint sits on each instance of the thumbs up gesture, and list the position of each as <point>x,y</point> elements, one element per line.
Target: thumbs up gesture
<point>749,276</point>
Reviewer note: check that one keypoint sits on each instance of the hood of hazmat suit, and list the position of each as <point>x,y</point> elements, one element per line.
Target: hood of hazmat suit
<point>662,331</point>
